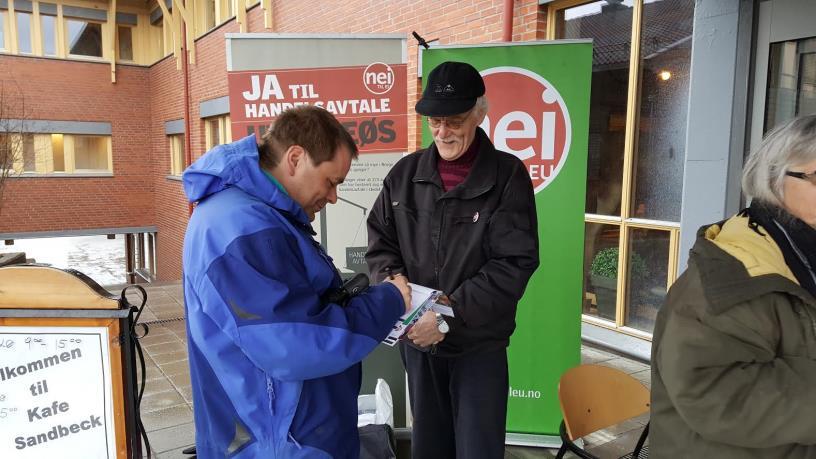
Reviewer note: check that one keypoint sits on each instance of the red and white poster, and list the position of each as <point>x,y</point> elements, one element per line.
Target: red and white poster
<point>369,100</point>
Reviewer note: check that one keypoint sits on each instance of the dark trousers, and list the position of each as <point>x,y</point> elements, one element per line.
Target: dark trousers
<point>459,404</point>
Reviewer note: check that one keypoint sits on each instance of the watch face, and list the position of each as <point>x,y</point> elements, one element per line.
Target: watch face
<point>441,325</point>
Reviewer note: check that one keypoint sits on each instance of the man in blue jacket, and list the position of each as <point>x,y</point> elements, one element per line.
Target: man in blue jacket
<point>275,369</point>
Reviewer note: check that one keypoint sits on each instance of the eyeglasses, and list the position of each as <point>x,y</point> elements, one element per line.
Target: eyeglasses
<point>451,122</point>
<point>811,177</point>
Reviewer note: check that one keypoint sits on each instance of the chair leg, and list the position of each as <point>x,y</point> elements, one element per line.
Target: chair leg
<point>561,451</point>
<point>641,441</point>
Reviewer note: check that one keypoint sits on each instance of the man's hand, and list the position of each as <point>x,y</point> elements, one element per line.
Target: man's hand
<point>401,282</point>
<point>425,332</point>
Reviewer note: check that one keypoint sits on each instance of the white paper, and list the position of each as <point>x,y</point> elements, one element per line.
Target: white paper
<point>55,393</point>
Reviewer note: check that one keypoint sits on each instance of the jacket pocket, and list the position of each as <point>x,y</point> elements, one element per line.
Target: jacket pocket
<point>476,218</point>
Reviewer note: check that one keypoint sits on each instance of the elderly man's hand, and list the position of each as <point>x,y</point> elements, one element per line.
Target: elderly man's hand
<point>425,332</point>
<point>401,282</point>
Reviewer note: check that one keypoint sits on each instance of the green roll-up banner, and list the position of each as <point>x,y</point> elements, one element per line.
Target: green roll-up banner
<point>539,111</point>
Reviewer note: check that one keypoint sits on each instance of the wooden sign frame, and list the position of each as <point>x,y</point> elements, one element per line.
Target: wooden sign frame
<point>50,299</point>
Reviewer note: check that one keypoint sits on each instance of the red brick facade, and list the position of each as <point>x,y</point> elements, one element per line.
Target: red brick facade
<point>143,99</point>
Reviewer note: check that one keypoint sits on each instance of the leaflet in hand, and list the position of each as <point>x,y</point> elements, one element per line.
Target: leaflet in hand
<point>423,299</point>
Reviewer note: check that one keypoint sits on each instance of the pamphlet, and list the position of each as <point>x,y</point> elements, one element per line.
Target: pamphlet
<point>423,299</point>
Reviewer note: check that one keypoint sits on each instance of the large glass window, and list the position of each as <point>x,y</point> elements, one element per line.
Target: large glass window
<point>637,129</point>
<point>610,25</point>
<point>48,25</point>
<point>664,78</point>
<point>84,38</point>
<point>58,153</point>
<point>24,39</point>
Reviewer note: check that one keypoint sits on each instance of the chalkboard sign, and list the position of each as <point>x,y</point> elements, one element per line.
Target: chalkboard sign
<point>56,397</point>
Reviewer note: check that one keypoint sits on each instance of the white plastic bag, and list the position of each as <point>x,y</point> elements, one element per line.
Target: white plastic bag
<point>376,408</point>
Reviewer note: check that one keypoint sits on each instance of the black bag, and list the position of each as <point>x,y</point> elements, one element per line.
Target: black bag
<point>377,442</point>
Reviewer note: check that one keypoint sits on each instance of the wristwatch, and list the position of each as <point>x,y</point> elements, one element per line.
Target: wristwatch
<point>441,325</point>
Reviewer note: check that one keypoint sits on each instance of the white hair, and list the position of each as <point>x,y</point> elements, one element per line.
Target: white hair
<point>481,105</point>
<point>789,145</point>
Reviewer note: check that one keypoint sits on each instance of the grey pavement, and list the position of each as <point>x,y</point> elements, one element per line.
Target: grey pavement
<point>167,406</point>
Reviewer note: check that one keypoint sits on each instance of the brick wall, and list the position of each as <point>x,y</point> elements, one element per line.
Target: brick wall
<point>82,91</point>
<point>140,193</point>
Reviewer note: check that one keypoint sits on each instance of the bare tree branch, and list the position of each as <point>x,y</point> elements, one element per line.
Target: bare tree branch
<point>13,118</point>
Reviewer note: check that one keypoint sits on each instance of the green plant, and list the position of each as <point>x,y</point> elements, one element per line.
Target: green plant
<point>605,264</point>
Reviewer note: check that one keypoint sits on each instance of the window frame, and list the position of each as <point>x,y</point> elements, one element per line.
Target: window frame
<point>31,35</point>
<point>44,156</point>
<point>39,19</point>
<point>176,145</point>
<point>222,124</point>
<point>625,222</point>
<point>117,44</point>
<point>67,39</point>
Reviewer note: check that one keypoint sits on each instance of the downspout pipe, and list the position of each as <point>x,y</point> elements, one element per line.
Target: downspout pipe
<point>507,21</point>
<point>188,145</point>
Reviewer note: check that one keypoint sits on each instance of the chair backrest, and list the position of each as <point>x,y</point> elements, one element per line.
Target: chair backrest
<point>594,397</point>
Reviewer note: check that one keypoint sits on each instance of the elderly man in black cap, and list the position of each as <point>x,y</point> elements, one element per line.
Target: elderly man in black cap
<point>460,217</point>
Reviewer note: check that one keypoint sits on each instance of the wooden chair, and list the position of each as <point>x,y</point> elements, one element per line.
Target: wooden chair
<point>594,397</point>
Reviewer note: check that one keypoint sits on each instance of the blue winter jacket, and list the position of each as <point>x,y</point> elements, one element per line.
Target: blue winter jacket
<point>275,372</point>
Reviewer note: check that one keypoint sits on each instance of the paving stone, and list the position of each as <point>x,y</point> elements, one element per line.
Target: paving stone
<point>168,417</point>
<point>160,400</point>
<point>172,438</point>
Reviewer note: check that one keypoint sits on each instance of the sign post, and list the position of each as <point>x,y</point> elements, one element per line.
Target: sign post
<point>538,96</point>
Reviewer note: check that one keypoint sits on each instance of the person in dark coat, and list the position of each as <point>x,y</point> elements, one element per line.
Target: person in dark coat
<point>460,217</point>
<point>734,350</point>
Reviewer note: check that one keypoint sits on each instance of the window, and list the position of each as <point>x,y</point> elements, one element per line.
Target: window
<point>3,30</point>
<point>209,14</point>
<point>48,24</point>
<point>24,40</point>
<point>636,150</point>
<point>791,81</point>
<point>90,153</point>
<point>125,43</point>
<point>29,154</point>
<point>84,38</point>
<point>176,154</point>
<point>62,153</point>
<point>58,152</point>
<point>217,131</point>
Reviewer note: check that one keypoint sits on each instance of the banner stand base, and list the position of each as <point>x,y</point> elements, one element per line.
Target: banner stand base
<point>536,440</point>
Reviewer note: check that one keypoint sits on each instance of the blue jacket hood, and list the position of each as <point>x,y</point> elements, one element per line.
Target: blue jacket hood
<point>236,165</point>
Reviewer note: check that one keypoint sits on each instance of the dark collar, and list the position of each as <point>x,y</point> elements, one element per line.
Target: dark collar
<point>482,176</point>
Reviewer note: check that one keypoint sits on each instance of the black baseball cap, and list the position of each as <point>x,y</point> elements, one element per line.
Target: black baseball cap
<point>452,88</point>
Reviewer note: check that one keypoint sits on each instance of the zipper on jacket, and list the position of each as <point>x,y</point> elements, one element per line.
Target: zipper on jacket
<point>270,390</point>
<point>294,441</point>
<point>439,241</point>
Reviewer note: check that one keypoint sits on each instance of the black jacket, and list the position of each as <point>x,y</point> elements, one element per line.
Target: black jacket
<point>478,242</point>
